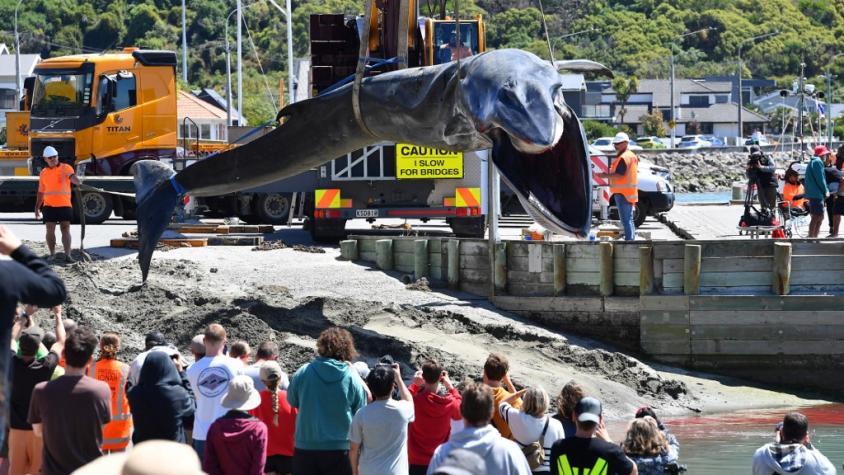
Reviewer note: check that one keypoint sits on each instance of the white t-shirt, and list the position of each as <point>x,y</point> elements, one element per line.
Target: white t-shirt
<point>209,378</point>
<point>138,362</point>
<point>527,429</point>
<point>381,429</point>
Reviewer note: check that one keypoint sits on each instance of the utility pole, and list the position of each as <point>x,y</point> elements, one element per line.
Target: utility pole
<point>829,78</point>
<point>288,17</point>
<point>17,58</point>
<point>184,43</point>
<point>740,67</point>
<point>673,107</point>
<point>239,64</point>
<point>801,103</point>
<point>228,73</point>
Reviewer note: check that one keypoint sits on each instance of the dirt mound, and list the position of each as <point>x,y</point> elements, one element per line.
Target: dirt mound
<point>270,246</point>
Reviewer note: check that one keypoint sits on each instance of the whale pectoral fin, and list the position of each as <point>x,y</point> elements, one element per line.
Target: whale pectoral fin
<point>156,199</point>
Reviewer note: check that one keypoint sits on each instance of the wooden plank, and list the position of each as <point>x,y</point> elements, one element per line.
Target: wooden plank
<point>672,266</point>
<point>657,302</point>
<point>665,332</point>
<point>521,262</point>
<point>420,256</point>
<point>625,264</point>
<point>817,277</point>
<point>626,279</point>
<point>767,347</point>
<point>691,269</point>
<point>761,302</point>
<point>227,240</point>
<point>500,267</point>
<point>549,304</point>
<point>734,279</point>
<point>621,304</point>
<point>738,318</point>
<point>646,271</point>
<point>585,278</point>
<point>663,317</point>
<point>736,264</point>
<point>475,276</point>
<point>666,251</point>
<point>665,347</point>
<point>781,274</point>
<point>473,288</point>
<point>535,258</point>
<point>474,262</point>
<point>403,245</point>
<point>672,281</point>
<point>559,269</point>
<point>813,263</point>
<point>473,248</point>
<point>132,243</point>
<point>818,248</point>
<point>515,276</point>
<point>606,274</point>
<point>406,258</point>
<point>582,264</point>
<point>626,251</point>
<point>434,246</point>
<point>768,332</point>
<point>583,250</point>
<point>530,289</point>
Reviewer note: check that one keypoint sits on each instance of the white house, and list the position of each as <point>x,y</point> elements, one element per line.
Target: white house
<point>7,78</point>
<point>199,117</point>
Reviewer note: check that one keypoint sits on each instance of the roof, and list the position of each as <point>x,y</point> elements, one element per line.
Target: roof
<point>28,62</point>
<point>214,98</point>
<point>773,100</point>
<point>188,105</point>
<point>660,89</point>
<point>720,114</point>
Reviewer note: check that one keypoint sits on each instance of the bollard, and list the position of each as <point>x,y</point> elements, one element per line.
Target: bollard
<point>559,269</point>
<point>454,263</point>
<point>420,258</point>
<point>646,271</point>
<point>501,266</point>
<point>782,268</point>
<point>691,269</point>
<point>606,269</point>
<point>349,249</point>
<point>384,254</point>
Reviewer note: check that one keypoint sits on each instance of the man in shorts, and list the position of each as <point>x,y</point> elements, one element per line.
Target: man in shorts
<point>54,200</point>
<point>816,189</point>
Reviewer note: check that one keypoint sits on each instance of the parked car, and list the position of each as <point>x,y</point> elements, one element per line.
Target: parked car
<point>650,143</point>
<point>714,141</point>
<point>757,139</point>
<point>604,144</point>
<point>694,141</point>
<point>634,146</point>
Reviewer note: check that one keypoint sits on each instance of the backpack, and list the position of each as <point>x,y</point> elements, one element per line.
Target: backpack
<point>535,452</point>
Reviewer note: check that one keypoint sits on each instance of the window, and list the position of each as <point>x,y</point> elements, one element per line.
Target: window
<point>221,132</point>
<point>125,92</point>
<point>698,101</point>
<point>722,99</point>
<point>7,99</point>
<point>205,131</point>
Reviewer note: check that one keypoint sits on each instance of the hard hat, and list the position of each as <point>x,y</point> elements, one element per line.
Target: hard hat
<point>50,151</point>
<point>620,137</point>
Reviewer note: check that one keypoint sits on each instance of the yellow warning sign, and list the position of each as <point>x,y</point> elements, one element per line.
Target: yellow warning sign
<point>414,162</point>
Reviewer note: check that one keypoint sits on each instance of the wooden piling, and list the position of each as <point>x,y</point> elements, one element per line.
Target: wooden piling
<point>349,249</point>
<point>500,267</point>
<point>782,268</point>
<point>384,254</point>
<point>646,271</point>
<point>691,269</point>
<point>420,258</point>
<point>454,263</point>
<point>607,270</point>
<point>559,269</point>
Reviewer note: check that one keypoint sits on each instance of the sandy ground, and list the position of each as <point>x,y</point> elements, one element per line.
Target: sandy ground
<point>290,296</point>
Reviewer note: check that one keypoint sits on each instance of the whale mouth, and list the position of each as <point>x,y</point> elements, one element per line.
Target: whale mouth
<point>553,184</point>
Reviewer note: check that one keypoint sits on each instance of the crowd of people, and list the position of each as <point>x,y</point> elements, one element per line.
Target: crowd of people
<point>75,408</point>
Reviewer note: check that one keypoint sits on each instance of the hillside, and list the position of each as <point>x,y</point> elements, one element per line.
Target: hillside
<point>632,36</point>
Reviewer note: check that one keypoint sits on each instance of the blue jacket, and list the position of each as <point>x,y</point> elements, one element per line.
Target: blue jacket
<point>815,181</point>
<point>327,394</point>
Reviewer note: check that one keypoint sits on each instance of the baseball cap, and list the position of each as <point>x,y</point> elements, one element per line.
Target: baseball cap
<point>155,338</point>
<point>153,457</point>
<point>270,371</point>
<point>241,394</point>
<point>362,368</point>
<point>29,341</point>
<point>461,462</point>
<point>588,409</point>
<point>821,150</point>
<point>620,137</point>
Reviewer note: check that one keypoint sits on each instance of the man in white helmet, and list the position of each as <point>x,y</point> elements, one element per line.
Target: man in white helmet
<point>54,200</point>
<point>624,183</point>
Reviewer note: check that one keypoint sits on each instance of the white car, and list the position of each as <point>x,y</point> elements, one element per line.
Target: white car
<point>694,141</point>
<point>758,139</point>
<point>604,144</point>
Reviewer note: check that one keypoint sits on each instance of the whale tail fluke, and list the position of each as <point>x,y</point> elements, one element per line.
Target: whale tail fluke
<point>156,197</point>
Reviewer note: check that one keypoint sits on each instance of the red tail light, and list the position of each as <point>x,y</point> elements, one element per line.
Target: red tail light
<point>468,211</point>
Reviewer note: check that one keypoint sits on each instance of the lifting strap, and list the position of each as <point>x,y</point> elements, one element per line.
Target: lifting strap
<point>363,56</point>
<point>404,14</point>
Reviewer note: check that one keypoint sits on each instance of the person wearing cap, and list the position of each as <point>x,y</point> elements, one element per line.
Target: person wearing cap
<point>502,456</point>
<point>816,189</point>
<point>267,351</point>
<point>161,401</point>
<point>53,200</point>
<point>833,176</point>
<point>793,452</point>
<point>280,419</point>
<point>154,341</point>
<point>237,442</point>
<point>761,171</point>
<point>27,371</point>
<point>624,182</point>
<point>590,450</point>
<point>154,457</point>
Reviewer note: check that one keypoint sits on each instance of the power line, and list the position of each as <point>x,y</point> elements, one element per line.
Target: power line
<point>260,67</point>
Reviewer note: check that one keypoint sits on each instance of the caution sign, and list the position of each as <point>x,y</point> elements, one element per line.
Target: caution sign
<point>414,162</point>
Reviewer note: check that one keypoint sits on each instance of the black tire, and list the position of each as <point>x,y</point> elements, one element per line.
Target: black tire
<point>272,208</point>
<point>97,207</point>
<point>327,230</point>
<point>640,212</point>
<point>468,227</point>
<point>250,219</point>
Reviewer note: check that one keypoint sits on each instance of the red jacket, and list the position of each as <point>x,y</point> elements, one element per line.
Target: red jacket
<point>281,435</point>
<point>432,425</point>
<point>236,445</point>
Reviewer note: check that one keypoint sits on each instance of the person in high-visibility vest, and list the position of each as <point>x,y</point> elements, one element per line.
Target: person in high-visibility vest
<point>114,373</point>
<point>793,192</point>
<point>624,182</point>
<point>54,201</point>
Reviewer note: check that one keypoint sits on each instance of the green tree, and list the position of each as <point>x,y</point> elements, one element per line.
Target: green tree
<point>595,129</point>
<point>653,123</point>
<point>624,87</point>
<point>106,34</point>
<point>143,18</point>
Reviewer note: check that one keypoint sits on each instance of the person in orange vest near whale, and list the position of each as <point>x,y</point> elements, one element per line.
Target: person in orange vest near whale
<point>53,200</point>
<point>114,373</point>
<point>624,183</point>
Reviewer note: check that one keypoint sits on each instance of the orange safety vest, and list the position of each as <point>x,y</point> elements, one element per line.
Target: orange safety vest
<point>628,184</point>
<point>114,373</point>
<point>789,191</point>
<point>54,184</point>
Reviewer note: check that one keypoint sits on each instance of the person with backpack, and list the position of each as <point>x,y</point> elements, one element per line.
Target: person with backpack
<point>532,428</point>
<point>280,418</point>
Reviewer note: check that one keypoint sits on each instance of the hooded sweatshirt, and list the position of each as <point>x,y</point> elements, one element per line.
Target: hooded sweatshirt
<point>502,456</point>
<point>160,401</point>
<point>790,459</point>
<point>432,425</point>
<point>236,445</point>
<point>327,394</point>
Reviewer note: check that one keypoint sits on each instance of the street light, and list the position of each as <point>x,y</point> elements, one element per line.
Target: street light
<point>829,77</point>
<point>554,43</point>
<point>740,67</point>
<point>184,43</point>
<point>229,72</point>
<point>673,115</point>
<point>288,16</point>
<point>17,57</point>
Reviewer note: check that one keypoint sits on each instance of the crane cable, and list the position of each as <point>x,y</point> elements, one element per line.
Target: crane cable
<point>260,67</point>
<point>547,36</point>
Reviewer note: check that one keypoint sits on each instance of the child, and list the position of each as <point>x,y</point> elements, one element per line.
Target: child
<point>237,442</point>
<point>280,419</point>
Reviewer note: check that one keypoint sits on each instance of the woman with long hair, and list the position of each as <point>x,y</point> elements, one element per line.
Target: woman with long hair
<point>280,419</point>
<point>569,396</point>
<point>648,447</point>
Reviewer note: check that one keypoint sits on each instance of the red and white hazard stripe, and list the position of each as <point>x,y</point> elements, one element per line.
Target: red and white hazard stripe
<point>600,165</point>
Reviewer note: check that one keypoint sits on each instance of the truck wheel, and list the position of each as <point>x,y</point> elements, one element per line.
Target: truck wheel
<point>468,227</point>
<point>327,230</point>
<point>640,212</point>
<point>273,208</point>
<point>96,206</point>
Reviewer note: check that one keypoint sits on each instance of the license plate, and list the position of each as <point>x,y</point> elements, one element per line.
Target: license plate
<point>366,213</point>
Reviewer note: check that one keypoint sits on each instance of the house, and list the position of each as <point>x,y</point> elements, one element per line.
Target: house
<point>8,78</point>
<point>574,91</point>
<point>200,119</point>
<point>749,86</point>
<point>704,107</point>
<point>215,99</point>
